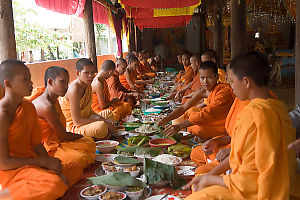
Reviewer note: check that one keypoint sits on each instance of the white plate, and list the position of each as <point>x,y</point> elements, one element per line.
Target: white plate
<point>186,170</point>
<point>105,157</point>
<point>177,160</point>
<point>158,197</point>
<point>122,133</point>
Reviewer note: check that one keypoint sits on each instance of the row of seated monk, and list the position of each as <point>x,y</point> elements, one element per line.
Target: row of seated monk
<point>48,138</point>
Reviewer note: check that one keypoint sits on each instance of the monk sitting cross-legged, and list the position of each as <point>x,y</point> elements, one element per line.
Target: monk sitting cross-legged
<point>101,96</point>
<point>261,165</point>
<point>76,105</point>
<point>209,120</point>
<point>25,167</point>
<point>116,89</point>
<point>75,151</point>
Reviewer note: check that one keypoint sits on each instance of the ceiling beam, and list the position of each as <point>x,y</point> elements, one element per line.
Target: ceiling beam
<point>107,5</point>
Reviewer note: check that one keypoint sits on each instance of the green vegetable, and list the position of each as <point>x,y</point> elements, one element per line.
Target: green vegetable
<point>136,139</point>
<point>126,160</point>
<point>144,140</point>
<point>129,149</point>
<point>117,179</point>
<point>156,172</point>
<point>152,151</point>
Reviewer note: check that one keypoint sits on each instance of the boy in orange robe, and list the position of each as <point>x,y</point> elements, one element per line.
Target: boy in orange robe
<point>25,167</point>
<point>208,121</point>
<point>101,96</point>
<point>116,89</point>
<point>261,165</point>
<point>76,105</point>
<point>75,151</point>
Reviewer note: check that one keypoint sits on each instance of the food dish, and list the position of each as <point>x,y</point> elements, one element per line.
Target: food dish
<point>161,142</point>
<point>113,195</point>
<point>168,159</point>
<point>106,146</point>
<point>93,192</point>
<point>134,193</point>
<point>158,197</point>
<point>185,170</point>
<point>146,129</point>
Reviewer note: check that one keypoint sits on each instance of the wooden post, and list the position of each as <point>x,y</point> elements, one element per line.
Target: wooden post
<point>7,31</point>
<point>203,45</point>
<point>218,31</point>
<point>89,31</point>
<point>135,38</point>
<point>238,27</point>
<point>297,53</point>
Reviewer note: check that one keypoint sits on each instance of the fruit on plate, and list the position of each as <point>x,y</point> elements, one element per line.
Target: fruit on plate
<point>179,150</point>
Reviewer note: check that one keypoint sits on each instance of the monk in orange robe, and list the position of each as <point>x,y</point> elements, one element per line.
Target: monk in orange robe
<point>209,121</point>
<point>25,167</point>
<point>101,96</point>
<point>75,151</point>
<point>261,165</point>
<point>129,78</point>
<point>116,89</point>
<point>146,65</point>
<point>76,105</point>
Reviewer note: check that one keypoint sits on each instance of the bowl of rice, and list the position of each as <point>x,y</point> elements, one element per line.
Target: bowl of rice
<point>168,159</point>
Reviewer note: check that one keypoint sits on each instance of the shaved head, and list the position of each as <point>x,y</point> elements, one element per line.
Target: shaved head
<point>9,69</point>
<point>53,72</point>
<point>196,57</point>
<point>121,61</point>
<point>108,65</point>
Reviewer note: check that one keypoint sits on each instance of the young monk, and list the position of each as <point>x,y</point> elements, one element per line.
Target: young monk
<point>129,80</point>
<point>145,64</point>
<point>116,89</point>
<point>208,121</point>
<point>76,105</point>
<point>195,61</point>
<point>101,96</point>
<point>75,151</point>
<point>25,167</point>
<point>261,165</point>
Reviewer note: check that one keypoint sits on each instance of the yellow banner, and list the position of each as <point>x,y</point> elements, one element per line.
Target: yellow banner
<point>166,12</point>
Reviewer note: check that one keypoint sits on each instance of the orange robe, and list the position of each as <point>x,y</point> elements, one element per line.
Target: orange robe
<point>132,76</point>
<point>195,85</point>
<point>187,77</point>
<point>29,182</point>
<point>262,166</point>
<point>222,76</point>
<point>75,155</point>
<point>97,129</point>
<point>210,120</point>
<point>116,89</point>
<point>147,69</point>
<point>197,154</point>
<point>120,109</point>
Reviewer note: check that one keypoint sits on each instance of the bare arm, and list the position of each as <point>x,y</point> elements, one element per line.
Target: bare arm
<point>98,88</point>
<point>51,116</point>
<point>221,168</point>
<point>131,84</point>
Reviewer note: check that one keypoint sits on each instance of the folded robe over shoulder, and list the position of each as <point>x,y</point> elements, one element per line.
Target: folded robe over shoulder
<point>97,129</point>
<point>197,154</point>
<point>120,109</point>
<point>29,182</point>
<point>115,88</point>
<point>75,155</point>
<point>262,166</point>
<point>132,76</point>
<point>210,120</point>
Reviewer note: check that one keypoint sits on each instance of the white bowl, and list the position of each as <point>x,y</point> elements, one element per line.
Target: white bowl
<point>105,157</point>
<point>108,172</point>
<point>105,167</point>
<point>135,195</point>
<point>124,195</point>
<point>106,149</point>
<point>123,165</point>
<point>94,196</point>
<point>134,173</point>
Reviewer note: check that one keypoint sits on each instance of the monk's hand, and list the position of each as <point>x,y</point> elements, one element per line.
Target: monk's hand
<point>53,164</point>
<point>296,146</point>
<point>209,146</point>
<point>178,96</point>
<point>222,154</point>
<point>160,122</point>
<point>198,183</point>
<point>115,100</point>
<point>171,130</point>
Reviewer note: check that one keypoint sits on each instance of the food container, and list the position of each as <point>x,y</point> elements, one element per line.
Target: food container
<point>131,126</point>
<point>96,196</point>
<point>111,170</point>
<point>161,142</point>
<point>106,165</point>
<point>134,195</point>
<point>134,173</point>
<point>106,146</point>
<point>105,157</point>
<point>113,191</point>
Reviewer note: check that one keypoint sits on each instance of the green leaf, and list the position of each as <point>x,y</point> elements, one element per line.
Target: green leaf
<point>126,160</point>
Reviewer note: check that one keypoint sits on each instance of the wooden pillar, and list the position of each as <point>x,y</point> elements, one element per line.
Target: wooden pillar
<point>135,38</point>
<point>297,53</point>
<point>218,35</point>
<point>131,45</point>
<point>202,18</point>
<point>7,31</point>
<point>89,31</point>
<point>238,27</point>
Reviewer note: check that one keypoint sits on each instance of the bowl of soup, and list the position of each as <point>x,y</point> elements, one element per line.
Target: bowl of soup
<point>106,146</point>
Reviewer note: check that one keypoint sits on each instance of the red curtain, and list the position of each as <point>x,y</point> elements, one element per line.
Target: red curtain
<point>101,14</point>
<point>69,7</point>
<point>162,22</point>
<point>139,12</point>
<point>159,3</point>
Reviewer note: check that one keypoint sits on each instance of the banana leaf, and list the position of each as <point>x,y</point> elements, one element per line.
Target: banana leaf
<point>126,160</point>
<point>129,149</point>
<point>152,151</point>
<point>179,147</point>
<point>117,179</point>
<point>156,172</point>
